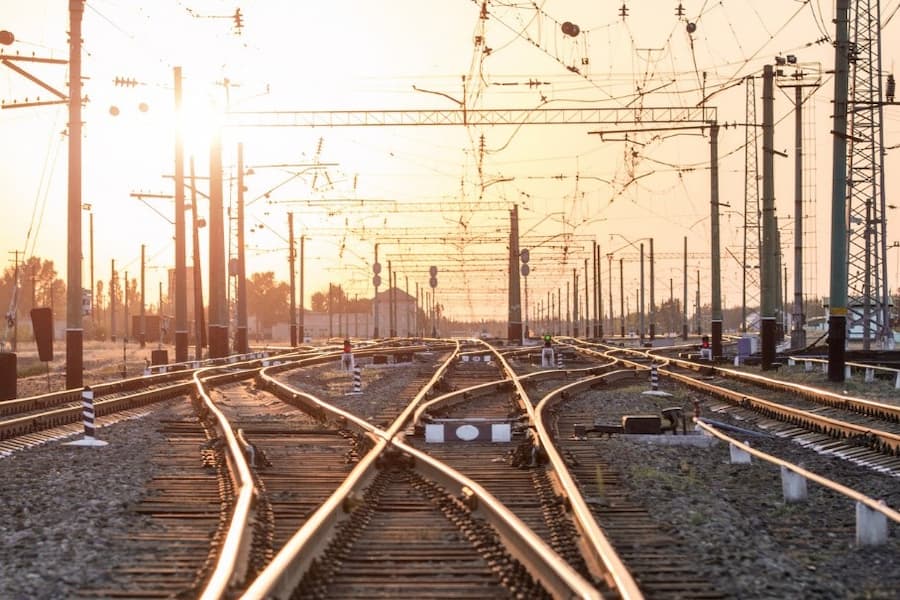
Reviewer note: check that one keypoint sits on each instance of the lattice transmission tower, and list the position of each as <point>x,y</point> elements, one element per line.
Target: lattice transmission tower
<point>751,284</point>
<point>868,299</point>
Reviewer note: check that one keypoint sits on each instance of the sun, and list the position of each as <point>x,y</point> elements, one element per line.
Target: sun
<point>199,123</point>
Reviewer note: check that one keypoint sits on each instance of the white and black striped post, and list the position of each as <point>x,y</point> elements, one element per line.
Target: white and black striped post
<point>654,383</point>
<point>87,411</point>
<point>654,377</point>
<point>357,381</point>
<point>559,360</point>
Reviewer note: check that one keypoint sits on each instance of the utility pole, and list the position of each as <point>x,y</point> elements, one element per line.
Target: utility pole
<point>199,321</point>
<point>587,307</point>
<point>181,326</point>
<point>218,309</point>
<point>240,336</point>
<point>612,322</point>
<point>330,310</point>
<point>652,296</point>
<point>112,301</point>
<point>125,315</point>
<point>641,302</point>
<point>302,326</point>
<point>769,266</point>
<point>598,295</point>
<point>559,313</point>
<point>715,259</point>
<point>699,311</point>
<point>292,269</point>
<point>396,314</point>
<point>798,80</point>
<point>376,281</point>
<point>142,335</point>
<point>684,319</point>
<point>622,296</point>
<point>837,304</point>
<point>391,331</point>
<point>93,316</point>
<point>74,330</point>
<point>574,302</point>
<point>162,326</point>
<point>514,328</point>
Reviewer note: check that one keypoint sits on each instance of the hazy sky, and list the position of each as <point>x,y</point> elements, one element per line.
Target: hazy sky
<point>571,187</point>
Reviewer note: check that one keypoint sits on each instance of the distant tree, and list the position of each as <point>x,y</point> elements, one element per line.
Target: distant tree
<point>38,286</point>
<point>340,302</point>
<point>359,305</point>
<point>319,302</point>
<point>267,299</point>
<point>668,317</point>
<point>114,294</point>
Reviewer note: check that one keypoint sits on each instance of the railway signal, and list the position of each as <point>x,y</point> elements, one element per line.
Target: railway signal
<point>376,281</point>
<point>432,281</point>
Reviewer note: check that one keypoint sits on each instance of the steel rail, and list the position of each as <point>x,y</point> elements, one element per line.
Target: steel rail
<point>823,481</point>
<point>605,560</point>
<point>174,371</point>
<point>857,365</point>
<point>31,423</point>
<point>287,568</point>
<point>882,441</point>
<point>231,566</point>
<point>557,576</point>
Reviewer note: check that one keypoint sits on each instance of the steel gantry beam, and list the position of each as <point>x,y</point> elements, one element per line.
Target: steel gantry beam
<point>394,205</point>
<point>513,116</point>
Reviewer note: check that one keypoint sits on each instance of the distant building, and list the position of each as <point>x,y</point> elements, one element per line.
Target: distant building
<point>320,326</point>
<point>323,325</point>
<point>404,322</point>
<point>155,329</point>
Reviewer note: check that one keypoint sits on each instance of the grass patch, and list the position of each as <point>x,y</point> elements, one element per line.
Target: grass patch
<point>31,369</point>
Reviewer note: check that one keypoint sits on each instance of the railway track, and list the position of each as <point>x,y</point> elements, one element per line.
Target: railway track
<point>862,430</point>
<point>410,519</point>
<point>584,418</point>
<point>500,455</point>
<point>337,476</point>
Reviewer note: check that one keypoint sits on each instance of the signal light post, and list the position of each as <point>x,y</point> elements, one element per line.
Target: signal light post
<point>432,282</point>
<point>376,281</point>
<point>525,270</point>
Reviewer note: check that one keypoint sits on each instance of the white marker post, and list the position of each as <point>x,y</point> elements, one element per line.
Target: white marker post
<point>357,381</point>
<point>87,410</point>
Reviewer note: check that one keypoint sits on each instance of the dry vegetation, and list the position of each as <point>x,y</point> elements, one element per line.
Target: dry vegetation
<point>103,361</point>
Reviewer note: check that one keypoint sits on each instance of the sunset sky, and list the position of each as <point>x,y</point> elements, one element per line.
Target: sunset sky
<point>440,192</point>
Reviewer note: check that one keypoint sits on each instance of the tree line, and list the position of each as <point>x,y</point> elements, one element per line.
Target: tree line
<point>268,300</point>
<point>39,285</point>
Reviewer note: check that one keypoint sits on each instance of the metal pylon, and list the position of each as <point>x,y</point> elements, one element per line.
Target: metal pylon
<point>751,257</point>
<point>867,295</point>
